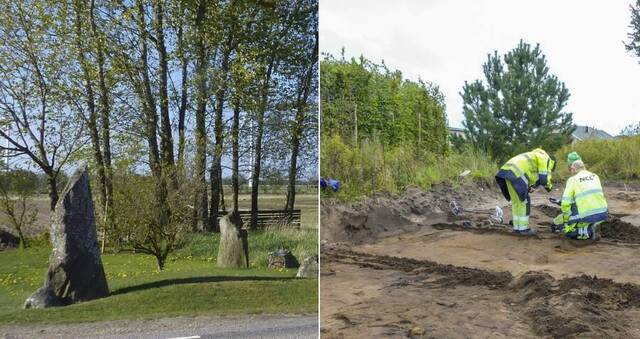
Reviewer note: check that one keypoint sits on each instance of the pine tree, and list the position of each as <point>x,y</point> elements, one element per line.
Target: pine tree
<point>634,36</point>
<point>519,107</point>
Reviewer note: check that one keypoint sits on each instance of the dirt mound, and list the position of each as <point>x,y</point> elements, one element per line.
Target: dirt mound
<point>582,306</point>
<point>619,230</point>
<point>532,285</point>
<point>387,214</point>
<point>548,210</point>
<point>627,196</point>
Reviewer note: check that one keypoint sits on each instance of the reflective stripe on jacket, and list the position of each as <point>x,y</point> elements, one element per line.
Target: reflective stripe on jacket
<point>525,170</point>
<point>583,199</point>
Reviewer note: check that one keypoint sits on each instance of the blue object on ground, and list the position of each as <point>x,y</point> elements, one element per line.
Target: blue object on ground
<point>329,182</point>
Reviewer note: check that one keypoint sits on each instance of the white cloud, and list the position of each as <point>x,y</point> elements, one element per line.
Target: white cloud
<point>446,42</point>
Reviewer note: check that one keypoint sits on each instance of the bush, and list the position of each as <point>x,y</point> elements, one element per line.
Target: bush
<point>139,220</point>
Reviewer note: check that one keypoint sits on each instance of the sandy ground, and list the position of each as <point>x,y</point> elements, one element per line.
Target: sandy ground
<point>401,266</point>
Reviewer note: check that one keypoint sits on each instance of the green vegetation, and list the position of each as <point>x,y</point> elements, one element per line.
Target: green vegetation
<point>301,243</point>
<point>613,159</point>
<point>364,101</point>
<point>381,132</point>
<point>519,107</point>
<point>372,167</point>
<point>633,45</point>
<point>190,284</point>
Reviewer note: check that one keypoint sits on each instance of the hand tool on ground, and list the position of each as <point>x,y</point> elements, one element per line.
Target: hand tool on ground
<point>555,201</point>
<point>496,214</point>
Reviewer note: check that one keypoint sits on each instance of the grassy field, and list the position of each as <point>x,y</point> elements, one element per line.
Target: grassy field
<point>190,284</point>
<point>307,203</point>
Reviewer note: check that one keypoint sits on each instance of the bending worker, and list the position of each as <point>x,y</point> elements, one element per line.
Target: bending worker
<point>519,176</point>
<point>583,204</point>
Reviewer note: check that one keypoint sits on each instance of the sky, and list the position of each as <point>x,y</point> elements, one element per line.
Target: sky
<point>447,42</point>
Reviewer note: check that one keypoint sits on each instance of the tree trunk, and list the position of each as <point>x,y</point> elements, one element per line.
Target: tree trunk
<point>216,166</point>
<point>182,110</point>
<point>200,211</point>
<point>52,182</point>
<point>161,207</point>
<point>298,128</point>
<point>166,139</point>
<point>105,113</point>
<point>235,131</point>
<point>90,98</point>
<point>255,178</point>
<point>160,260</point>
<point>223,207</point>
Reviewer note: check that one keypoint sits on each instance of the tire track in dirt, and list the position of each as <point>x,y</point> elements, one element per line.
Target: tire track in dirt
<point>579,306</point>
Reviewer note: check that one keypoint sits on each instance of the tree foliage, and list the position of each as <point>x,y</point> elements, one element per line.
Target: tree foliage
<point>362,100</point>
<point>151,90</point>
<point>631,129</point>
<point>519,106</point>
<point>633,45</point>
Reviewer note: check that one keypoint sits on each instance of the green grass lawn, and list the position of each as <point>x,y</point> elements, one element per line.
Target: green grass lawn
<point>190,284</point>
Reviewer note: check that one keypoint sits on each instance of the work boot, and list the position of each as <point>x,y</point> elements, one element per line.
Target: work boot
<point>528,231</point>
<point>596,232</point>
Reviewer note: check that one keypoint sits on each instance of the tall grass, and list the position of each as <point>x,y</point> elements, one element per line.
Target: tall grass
<point>613,159</point>
<point>372,167</point>
<point>301,242</point>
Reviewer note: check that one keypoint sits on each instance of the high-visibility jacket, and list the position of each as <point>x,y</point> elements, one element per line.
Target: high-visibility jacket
<point>583,199</point>
<point>530,169</point>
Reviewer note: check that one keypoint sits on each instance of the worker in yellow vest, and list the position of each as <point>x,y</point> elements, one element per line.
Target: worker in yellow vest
<point>583,204</point>
<point>518,177</point>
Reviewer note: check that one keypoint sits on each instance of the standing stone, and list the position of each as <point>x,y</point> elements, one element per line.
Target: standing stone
<point>309,267</point>
<point>234,247</point>
<point>75,269</point>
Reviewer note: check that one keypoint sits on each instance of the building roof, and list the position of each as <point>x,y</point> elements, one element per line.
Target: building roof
<point>586,132</point>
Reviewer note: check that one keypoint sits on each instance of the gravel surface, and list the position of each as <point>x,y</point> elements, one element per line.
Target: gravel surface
<point>258,326</point>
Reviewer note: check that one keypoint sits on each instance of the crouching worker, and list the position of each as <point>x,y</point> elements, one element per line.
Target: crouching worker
<point>584,206</point>
<point>520,175</point>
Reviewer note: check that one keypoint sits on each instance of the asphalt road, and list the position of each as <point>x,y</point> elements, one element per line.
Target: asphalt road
<point>259,326</point>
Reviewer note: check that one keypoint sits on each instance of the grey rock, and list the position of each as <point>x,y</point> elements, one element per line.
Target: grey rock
<point>42,298</point>
<point>282,259</point>
<point>309,268</point>
<point>234,247</point>
<point>8,240</point>
<point>75,268</point>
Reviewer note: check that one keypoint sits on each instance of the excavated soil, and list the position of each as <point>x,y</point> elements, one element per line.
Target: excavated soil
<point>401,266</point>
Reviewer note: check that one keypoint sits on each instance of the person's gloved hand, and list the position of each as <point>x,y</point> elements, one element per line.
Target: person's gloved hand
<point>556,228</point>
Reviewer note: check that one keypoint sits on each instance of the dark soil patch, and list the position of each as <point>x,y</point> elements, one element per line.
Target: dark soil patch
<point>619,230</point>
<point>548,210</point>
<point>448,275</point>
